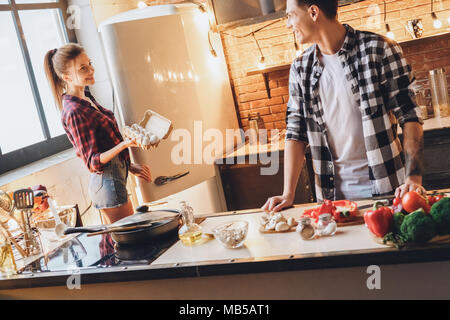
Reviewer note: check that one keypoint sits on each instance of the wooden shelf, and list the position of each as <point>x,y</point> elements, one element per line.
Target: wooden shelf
<point>265,73</point>
<point>269,69</point>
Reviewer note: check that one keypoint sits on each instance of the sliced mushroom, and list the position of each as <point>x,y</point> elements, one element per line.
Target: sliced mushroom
<point>271,224</point>
<point>282,226</point>
<point>291,222</point>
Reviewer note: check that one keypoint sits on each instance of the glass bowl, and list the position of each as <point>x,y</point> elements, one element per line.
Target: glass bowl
<point>67,214</point>
<point>232,234</point>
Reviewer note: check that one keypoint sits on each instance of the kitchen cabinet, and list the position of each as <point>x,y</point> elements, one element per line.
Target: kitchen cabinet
<point>245,187</point>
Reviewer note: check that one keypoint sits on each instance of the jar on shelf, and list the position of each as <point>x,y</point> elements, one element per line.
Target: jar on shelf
<point>326,225</point>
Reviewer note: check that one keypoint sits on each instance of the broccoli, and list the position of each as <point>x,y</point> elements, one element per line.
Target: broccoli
<point>418,227</point>
<point>440,212</point>
<point>398,219</point>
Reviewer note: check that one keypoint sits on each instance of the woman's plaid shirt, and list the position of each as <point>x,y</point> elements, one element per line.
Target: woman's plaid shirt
<point>381,80</point>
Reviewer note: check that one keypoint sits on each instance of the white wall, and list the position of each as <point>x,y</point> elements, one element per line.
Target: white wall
<point>89,38</point>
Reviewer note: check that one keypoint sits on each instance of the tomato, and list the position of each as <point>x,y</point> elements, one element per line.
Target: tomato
<point>412,201</point>
<point>433,199</point>
<point>397,201</point>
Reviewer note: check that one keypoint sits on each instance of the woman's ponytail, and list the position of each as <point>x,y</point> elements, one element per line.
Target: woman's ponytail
<point>55,64</point>
<point>56,84</point>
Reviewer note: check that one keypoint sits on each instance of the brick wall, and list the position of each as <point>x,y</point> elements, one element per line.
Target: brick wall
<point>277,45</point>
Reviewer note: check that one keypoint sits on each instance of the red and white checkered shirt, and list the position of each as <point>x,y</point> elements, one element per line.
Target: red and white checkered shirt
<point>382,81</point>
<point>90,131</point>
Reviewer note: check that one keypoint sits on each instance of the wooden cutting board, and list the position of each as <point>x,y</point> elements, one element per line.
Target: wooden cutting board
<point>263,230</point>
<point>436,239</point>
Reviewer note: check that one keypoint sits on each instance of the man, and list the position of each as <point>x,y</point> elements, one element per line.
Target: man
<point>345,93</point>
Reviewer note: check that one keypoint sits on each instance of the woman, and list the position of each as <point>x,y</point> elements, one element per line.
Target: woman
<point>93,131</point>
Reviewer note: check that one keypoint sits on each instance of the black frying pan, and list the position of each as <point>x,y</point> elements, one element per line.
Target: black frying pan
<point>148,234</point>
<point>167,222</point>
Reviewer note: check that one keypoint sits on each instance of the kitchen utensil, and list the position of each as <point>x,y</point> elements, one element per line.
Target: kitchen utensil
<point>162,222</point>
<point>14,242</point>
<point>59,225</point>
<point>6,202</point>
<point>151,234</point>
<point>24,201</point>
<point>7,205</point>
<point>159,181</point>
<point>119,229</point>
<point>133,220</point>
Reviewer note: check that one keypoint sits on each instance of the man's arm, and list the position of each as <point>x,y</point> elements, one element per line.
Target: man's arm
<point>413,147</point>
<point>294,155</point>
<point>396,75</point>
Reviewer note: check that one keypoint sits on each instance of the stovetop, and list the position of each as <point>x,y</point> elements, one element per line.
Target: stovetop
<point>101,251</point>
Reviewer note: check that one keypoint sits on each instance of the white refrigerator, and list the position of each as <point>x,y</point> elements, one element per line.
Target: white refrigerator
<point>159,58</point>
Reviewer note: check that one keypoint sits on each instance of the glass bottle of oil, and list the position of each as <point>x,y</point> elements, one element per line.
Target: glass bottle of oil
<point>7,263</point>
<point>189,233</point>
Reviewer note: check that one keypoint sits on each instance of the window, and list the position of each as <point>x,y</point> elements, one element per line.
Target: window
<point>30,126</point>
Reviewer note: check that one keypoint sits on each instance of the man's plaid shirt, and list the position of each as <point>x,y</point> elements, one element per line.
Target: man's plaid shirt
<point>381,80</point>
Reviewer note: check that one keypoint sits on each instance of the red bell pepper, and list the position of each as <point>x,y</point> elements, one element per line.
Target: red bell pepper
<point>379,220</point>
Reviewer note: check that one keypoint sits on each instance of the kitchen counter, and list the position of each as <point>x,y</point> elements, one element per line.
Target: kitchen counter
<point>284,258</point>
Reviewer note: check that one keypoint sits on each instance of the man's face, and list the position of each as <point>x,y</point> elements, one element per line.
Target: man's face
<point>301,19</point>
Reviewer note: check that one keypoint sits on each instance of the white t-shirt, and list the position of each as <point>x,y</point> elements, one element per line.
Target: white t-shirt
<point>343,120</point>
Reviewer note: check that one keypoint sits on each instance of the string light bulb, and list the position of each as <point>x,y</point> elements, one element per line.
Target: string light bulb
<point>261,63</point>
<point>436,22</point>
<point>389,33</point>
<point>142,4</point>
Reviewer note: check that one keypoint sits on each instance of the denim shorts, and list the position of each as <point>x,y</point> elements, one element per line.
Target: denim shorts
<point>109,189</point>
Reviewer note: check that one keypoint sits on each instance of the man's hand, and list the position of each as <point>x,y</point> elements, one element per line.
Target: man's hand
<point>141,171</point>
<point>412,183</point>
<point>278,203</point>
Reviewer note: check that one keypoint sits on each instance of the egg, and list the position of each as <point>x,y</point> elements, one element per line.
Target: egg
<point>146,141</point>
<point>153,139</point>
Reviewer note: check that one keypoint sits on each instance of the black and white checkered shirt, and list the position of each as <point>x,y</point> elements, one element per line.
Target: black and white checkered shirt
<point>382,82</point>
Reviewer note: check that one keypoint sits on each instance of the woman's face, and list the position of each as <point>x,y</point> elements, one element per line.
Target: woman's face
<point>80,72</point>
